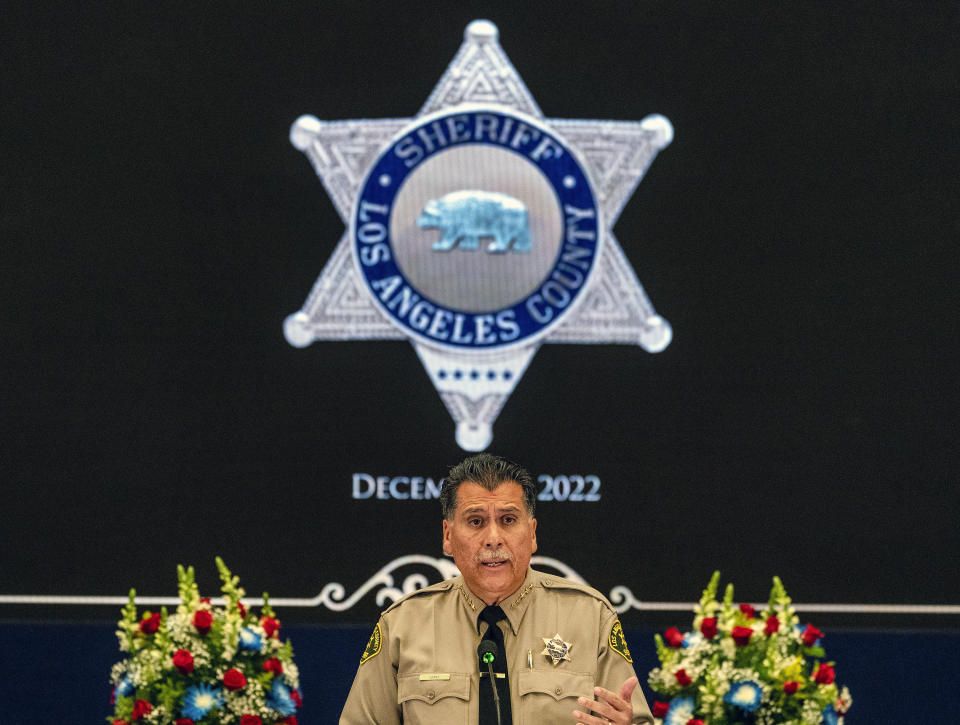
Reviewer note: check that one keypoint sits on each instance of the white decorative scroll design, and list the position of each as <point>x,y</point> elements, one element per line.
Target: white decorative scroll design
<point>333,595</point>
<point>623,600</point>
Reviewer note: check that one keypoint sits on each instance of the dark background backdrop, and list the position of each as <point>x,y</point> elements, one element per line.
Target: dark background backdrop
<point>799,234</point>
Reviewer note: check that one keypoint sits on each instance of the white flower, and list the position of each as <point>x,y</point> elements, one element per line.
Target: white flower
<point>291,675</point>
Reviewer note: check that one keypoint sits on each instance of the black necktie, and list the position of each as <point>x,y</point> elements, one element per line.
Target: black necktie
<point>488,710</point>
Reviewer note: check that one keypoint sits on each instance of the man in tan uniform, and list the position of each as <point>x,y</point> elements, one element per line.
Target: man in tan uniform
<point>564,644</point>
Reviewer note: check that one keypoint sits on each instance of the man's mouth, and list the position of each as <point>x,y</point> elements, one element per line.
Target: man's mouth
<point>494,564</point>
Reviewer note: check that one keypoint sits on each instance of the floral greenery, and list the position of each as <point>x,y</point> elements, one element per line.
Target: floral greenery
<point>203,665</point>
<point>738,667</point>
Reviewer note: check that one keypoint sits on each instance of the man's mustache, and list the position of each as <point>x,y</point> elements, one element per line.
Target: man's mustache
<point>487,556</point>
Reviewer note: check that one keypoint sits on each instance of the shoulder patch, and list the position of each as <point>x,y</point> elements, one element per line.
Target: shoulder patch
<point>373,646</point>
<point>618,643</point>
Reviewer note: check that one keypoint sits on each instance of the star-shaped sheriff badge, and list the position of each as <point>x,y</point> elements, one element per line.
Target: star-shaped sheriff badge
<point>555,648</point>
<point>478,230</point>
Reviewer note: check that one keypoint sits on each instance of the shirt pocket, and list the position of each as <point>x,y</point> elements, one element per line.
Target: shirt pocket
<point>550,696</point>
<point>434,701</point>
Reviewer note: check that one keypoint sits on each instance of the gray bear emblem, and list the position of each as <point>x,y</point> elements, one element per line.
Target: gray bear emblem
<point>465,216</point>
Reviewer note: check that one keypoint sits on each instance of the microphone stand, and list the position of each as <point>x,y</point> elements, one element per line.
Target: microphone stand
<point>488,653</point>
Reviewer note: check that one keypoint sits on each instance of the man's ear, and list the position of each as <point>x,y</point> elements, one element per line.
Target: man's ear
<point>533,535</point>
<point>446,538</point>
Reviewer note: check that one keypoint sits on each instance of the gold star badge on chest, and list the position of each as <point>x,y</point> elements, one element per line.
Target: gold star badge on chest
<point>556,649</point>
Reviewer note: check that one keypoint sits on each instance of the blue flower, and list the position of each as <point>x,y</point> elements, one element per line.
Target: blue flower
<point>746,695</point>
<point>830,716</point>
<point>250,640</point>
<point>680,712</point>
<point>279,699</point>
<point>125,687</point>
<point>199,700</point>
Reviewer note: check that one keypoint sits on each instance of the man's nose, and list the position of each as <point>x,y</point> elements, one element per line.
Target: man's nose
<point>492,536</point>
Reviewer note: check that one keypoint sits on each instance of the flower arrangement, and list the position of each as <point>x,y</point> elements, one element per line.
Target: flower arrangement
<point>740,667</point>
<point>203,665</point>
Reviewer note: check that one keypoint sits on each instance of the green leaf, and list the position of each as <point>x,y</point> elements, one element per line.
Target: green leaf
<point>123,708</point>
<point>266,609</point>
<point>129,625</point>
<point>663,652</point>
<point>169,694</point>
<point>231,589</point>
<point>187,585</point>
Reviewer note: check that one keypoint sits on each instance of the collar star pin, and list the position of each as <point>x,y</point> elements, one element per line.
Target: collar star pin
<point>556,649</point>
<point>478,230</point>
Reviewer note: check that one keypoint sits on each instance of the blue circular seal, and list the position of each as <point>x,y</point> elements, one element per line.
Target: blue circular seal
<point>476,229</point>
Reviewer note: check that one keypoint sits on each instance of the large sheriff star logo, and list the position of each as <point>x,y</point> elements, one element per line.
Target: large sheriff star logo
<point>478,230</point>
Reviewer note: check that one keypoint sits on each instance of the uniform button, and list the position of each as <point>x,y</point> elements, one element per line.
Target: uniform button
<point>431,695</point>
<point>559,690</point>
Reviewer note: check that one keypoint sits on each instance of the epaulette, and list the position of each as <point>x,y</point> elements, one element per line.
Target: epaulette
<point>443,586</point>
<point>557,582</point>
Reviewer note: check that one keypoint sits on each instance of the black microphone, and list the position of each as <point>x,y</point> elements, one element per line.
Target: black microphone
<point>488,652</point>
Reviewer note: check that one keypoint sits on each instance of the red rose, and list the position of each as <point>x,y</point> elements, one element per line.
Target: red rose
<point>183,721</point>
<point>810,635</point>
<point>150,623</point>
<point>741,635</point>
<point>251,720</point>
<point>243,609</point>
<point>233,679</point>
<point>204,600</point>
<point>749,611</point>
<point>695,721</point>
<point>202,620</point>
<point>683,679</point>
<point>270,625</point>
<point>660,709</point>
<point>772,626</point>
<point>183,661</point>
<point>791,687</point>
<point>824,674</point>
<point>289,720</point>
<point>120,722</point>
<point>708,627</point>
<point>273,665</point>
<point>298,701</point>
<point>673,637</point>
<point>141,708</point>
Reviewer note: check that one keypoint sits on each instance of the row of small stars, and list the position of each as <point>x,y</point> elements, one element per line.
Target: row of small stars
<point>473,374</point>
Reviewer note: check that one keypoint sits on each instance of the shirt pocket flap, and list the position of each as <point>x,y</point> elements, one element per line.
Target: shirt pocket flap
<point>411,687</point>
<point>556,683</point>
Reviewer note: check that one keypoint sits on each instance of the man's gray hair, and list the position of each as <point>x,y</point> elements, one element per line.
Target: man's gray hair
<point>489,471</point>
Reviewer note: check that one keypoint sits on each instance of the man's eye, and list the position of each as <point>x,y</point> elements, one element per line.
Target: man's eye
<point>474,522</point>
<point>509,519</point>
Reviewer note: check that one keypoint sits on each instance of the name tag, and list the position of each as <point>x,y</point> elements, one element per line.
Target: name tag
<point>434,676</point>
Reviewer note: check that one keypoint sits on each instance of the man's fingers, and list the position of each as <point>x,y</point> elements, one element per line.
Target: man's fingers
<point>608,707</point>
<point>583,718</point>
<point>605,711</point>
<point>615,701</point>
